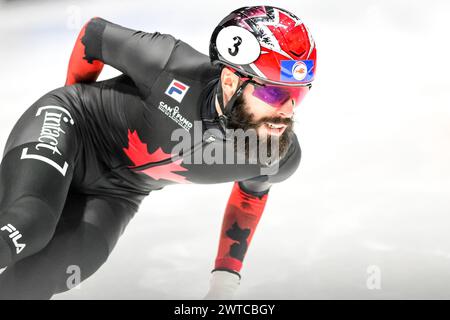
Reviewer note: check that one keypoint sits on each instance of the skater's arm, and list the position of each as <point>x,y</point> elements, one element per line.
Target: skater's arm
<point>242,214</point>
<point>82,70</point>
<point>140,55</point>
<point>245,208</point>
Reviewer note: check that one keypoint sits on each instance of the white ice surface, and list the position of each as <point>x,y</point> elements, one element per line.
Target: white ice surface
<point>373,187</point>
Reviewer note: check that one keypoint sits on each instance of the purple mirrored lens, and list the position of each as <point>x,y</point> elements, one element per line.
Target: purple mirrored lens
<point>272,95</point>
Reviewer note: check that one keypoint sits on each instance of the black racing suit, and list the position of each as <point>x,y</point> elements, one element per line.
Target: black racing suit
<point>79,161</point>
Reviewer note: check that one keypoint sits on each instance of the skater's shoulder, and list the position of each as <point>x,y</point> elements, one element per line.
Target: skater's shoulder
<point>187,61</point>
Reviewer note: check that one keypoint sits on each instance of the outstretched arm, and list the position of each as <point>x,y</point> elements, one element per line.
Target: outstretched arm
<point>138,54</point>
<point>243,212</point>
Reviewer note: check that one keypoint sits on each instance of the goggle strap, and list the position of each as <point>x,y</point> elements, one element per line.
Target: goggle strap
<point>219,94</point>
<point>228,108</point>
<point>230,105</point>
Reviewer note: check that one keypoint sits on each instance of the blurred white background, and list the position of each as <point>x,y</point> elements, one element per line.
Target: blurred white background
<point>373,187</point>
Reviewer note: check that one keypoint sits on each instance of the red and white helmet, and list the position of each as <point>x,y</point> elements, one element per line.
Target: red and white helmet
<point>267,43</point>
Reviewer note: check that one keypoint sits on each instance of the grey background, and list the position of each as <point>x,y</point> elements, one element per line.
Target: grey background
<point>373,185</point>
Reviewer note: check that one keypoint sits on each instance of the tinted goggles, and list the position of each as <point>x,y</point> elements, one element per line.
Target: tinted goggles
<point>277,95</point>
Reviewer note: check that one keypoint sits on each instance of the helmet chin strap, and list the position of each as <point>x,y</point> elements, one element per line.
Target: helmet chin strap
<point>228,108</point>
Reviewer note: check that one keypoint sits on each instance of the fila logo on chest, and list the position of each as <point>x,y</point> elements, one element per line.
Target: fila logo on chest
<point>177,90</point>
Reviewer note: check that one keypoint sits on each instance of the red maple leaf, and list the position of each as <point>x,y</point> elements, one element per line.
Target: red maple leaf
<point>138,153</point>
<point>291,41</point>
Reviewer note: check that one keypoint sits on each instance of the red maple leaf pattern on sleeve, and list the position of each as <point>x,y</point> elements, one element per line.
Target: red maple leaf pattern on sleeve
<point>138,153</point>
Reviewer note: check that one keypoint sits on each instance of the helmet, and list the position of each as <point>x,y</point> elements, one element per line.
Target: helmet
<point>267,43</point>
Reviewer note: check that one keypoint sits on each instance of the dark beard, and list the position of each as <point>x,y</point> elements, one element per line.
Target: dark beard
<point>242,119</point>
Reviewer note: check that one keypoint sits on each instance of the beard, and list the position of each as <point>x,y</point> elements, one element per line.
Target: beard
<point>267,148</point>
